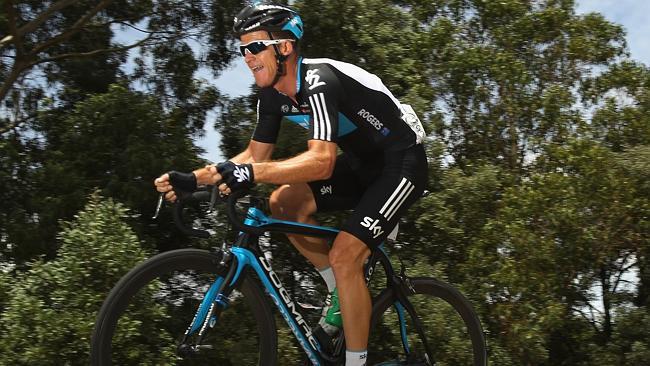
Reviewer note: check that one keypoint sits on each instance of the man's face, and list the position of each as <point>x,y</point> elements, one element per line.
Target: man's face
<point>263,65</point>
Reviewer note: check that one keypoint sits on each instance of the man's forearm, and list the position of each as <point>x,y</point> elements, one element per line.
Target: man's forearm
<point>306,167</point>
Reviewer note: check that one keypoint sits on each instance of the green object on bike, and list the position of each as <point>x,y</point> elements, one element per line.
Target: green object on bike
<point>333,316</point>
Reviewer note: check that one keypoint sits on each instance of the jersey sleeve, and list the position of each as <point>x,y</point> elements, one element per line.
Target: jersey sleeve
<point>323,92</point>
<point>268,122</point>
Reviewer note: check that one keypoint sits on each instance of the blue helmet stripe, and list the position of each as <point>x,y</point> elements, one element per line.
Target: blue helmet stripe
<point>294,26</point>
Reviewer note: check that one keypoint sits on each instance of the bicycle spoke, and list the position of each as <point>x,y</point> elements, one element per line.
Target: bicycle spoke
<point>450,339</point>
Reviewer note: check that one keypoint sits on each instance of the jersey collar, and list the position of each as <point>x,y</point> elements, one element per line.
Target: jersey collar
<point>298,75</point>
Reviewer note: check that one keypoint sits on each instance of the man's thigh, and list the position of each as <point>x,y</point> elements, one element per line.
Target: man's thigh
<point>343,190</point>
<point>400,184</point>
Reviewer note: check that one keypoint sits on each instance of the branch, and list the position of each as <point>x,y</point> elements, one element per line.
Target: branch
<point>92,53</point>
<point>593,322</point>
<point>11,22</point>
<point>133,26</point>
<point>76,27</point>
<point>16,70</point>
<point>16,123</point>
<point>16,35</point>
<point>622,270</point>
<point>31,26</point>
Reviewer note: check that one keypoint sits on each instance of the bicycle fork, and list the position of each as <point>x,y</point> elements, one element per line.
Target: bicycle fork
<point>207,314</point>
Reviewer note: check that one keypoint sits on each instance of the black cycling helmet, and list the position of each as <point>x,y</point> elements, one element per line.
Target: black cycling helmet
<point>269,17</point>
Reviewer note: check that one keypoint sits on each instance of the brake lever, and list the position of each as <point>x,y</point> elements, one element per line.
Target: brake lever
<point>213,198</point>
<point>161,199</point>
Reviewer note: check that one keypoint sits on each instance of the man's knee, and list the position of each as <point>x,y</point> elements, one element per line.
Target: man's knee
<point>348,255</point>
<point>292,202</point>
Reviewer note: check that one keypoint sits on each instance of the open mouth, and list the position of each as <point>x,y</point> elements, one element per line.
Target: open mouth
<point>257,69</point>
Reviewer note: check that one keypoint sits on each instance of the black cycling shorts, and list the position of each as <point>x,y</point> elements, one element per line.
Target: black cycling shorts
<point>379,191</point>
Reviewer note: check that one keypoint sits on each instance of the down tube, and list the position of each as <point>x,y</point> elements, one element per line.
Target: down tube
<point>282,300</point>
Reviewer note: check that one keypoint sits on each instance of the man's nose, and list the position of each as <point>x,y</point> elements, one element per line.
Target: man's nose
<point>249,57</point>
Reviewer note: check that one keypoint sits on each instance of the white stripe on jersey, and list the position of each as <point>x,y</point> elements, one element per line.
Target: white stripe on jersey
<point>328,125</point>
<point>401,201</point>
<point>396,199</point>
<point>322,126</point>
<point>316,121</point>
<point>363,77</point>
<point>390,199</point>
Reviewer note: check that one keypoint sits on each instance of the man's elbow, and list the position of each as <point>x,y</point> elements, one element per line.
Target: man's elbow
<point>326,168</point>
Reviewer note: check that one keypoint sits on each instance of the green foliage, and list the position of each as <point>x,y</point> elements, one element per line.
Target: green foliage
<point>621,119</point>
<point>539,165</point>
<point>364,33</point>
<point>630,341</point>
<point>505,72</point>
<point>572,228</point>
<point>50,310</point>
<point>236,124</point>
<point>118,142</point>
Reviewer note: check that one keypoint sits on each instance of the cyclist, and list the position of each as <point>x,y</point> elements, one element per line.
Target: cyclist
<point>381,172</point>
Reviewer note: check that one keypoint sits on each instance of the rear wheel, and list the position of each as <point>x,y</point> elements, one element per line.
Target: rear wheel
<point>452,328</point>
<point>144,318</point>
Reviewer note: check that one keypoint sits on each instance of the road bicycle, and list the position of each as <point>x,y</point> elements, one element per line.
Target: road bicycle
<point>211,307</point>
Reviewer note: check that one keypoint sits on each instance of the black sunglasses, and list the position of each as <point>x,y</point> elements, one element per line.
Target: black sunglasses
<point>256,47</point>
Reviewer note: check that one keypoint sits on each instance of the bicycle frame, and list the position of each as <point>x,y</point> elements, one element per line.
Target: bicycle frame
<point>245,252</point>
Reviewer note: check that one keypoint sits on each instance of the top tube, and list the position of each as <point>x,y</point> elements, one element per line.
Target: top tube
<point>258,219</point>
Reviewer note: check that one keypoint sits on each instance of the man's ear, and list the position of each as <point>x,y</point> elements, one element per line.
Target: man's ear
<point>287,48</point>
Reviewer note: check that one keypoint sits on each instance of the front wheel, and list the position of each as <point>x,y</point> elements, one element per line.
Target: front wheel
<point>145,316</point>
<point>450,324</point>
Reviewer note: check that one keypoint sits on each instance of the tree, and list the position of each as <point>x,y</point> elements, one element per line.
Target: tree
<point>558,257</point>
<point>117,142</point>
<point>505,73</point>
<point>50,309</point>
<point>77,49</point>
<point>54,36</point>
<point>376,35</point>
<point>620,94</point>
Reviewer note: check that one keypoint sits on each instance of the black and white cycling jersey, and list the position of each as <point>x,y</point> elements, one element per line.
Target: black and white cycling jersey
<point>383,168</point>
<point>341,103</point>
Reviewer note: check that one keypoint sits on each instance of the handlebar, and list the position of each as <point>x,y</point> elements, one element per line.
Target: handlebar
<point>208,194</point>
<point>198,196</point>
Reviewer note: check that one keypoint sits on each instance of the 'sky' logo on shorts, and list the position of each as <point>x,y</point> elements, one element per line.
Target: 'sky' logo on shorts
<point>371,224</point>
<point>326,190</point>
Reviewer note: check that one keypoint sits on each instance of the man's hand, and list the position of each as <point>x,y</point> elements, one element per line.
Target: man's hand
<point>235,176</point>
<point>184,181</point>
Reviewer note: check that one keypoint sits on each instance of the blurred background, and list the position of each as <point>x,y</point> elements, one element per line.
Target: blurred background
<point>538,120</point>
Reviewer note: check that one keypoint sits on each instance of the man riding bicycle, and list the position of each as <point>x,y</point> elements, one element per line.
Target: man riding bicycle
<point>381,172</point>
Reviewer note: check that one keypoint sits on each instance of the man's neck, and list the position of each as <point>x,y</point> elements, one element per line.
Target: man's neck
<point>287,83</point>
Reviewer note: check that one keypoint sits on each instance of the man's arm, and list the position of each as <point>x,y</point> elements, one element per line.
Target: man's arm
<point>316,163</point>
<point>255,152</point>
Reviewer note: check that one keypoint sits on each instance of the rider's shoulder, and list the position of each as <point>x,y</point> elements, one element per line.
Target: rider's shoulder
<point>327,69</point>
<point>320,74</point>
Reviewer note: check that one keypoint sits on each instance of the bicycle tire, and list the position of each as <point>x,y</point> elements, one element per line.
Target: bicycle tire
<point>145,276</point>
<point>467,344</point>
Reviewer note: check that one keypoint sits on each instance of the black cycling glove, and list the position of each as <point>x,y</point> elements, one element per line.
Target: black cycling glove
<point>185,182</point>
<point>236,176</point>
